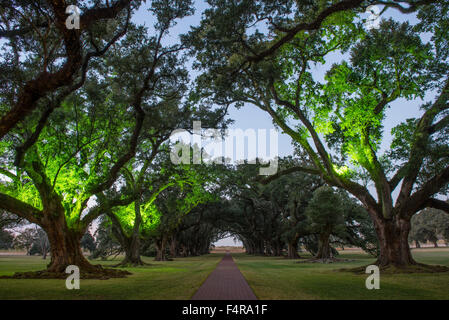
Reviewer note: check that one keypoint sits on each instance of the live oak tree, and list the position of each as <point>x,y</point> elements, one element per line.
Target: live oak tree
<point>141,218</point>
<point>144,177</point>
<point>6,239</point>
<point>359,229</point>
<point>45,60</point>
<point>25,240</point>
<point>429,225</point>
<point>89,139</point>
<point>325,213</point>
<point>61,173</point>
<point>270,218</point>
<point>193,185</point>
<point>8,220</point>
<point>339,122</point>
<point>291,195</point>
<point>106,244</point>
<point>197,231</point>
<point>266,218</point>
<point>88,242</point>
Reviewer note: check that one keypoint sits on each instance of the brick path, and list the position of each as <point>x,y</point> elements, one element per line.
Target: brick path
<point>226,282</point>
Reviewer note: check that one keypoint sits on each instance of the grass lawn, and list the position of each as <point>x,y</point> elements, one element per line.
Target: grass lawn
<point>269,277</point>
<point>279,278</point>
<point>178,279</point>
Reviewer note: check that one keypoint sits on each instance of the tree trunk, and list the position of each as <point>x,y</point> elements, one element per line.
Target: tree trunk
<point>173,247</point>
<point>278,249</point>
<point>324,249</point>
<point>435,244</point>
<point>417,244</point>
<point>65,246</point>
<point>65,250</point>
<point>260,248</point>
<point>393,240</point>
<point>293,250</point>
<point>184,250</point>
<point>160,248</point>
<point>132,252</point>
<point>268,251</point>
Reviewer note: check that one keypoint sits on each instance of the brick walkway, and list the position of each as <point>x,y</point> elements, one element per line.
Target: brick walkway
<point>226,282</point>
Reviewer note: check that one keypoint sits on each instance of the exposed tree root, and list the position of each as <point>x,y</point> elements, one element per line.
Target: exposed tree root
<point>99,273</point>
<point>131,264</point>
<point>327,260</point>
<point>165,259</point>
<point>293,258</point>
<point>392,269</point>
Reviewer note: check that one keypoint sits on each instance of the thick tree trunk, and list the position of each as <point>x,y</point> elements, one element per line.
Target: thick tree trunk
<point>184,250</point>
<point>65,250</point>
<point>268,249</point>
<point>393,240</point>
<point>132,252</point>
<point>260,248</point>
<point>173,247</point>
<point>278,250</point>
<point>293,250</point>
<point>131,244</point>
<point>160,250</point>
<point>324,249</point>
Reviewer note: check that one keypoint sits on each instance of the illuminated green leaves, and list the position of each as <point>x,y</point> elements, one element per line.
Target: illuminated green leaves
<point>126,215</point>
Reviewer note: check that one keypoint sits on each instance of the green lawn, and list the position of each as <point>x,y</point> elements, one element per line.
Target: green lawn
<point>279,278</point>
<point>178,279</point>
<point>270,278</point>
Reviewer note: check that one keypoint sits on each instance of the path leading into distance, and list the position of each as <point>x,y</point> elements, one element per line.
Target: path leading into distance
<point>226,282</point>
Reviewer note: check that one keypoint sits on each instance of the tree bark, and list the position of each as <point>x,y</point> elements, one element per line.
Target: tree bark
<point>65,246</point>
<point>160,248</point>
<point>393,239</point>
<point>293,249</point>
<point>278,249</point>
<point>65,250</point>
<point>260,248</point>
<point>417,244</point>
<point>324,249</point>
<point>132,252</point>
<point>173,247</point>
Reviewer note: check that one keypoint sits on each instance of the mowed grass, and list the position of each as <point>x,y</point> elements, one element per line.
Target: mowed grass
<point>269,277</point>
<point>280,278</point>
<point>178,279</point>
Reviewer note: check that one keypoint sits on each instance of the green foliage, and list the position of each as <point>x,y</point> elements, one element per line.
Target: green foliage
<point>388,64</point>
<point>6,239</point>
<point>429,225</point>
<point>325,211</point>
<point>106,244</point>
<point>88,242</point>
